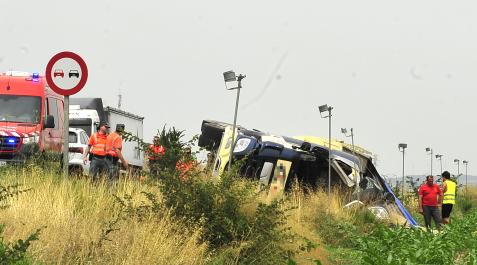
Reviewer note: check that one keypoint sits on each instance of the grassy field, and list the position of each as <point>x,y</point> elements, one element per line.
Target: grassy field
<point>93,223</point>
<point>74,216</point>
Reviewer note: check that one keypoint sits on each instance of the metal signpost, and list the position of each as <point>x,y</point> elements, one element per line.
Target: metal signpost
<point>66,74</point>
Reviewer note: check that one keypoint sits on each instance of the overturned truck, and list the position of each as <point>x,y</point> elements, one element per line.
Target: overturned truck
<point>277,162</point>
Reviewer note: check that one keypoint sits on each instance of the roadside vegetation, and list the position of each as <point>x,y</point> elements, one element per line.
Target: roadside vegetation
<point>47,219</point>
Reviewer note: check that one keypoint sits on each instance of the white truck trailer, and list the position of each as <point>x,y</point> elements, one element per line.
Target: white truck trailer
<point>87,113</point>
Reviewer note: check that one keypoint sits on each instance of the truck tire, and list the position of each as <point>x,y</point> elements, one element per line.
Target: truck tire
<point>206,143</point>
<point>211,133</point>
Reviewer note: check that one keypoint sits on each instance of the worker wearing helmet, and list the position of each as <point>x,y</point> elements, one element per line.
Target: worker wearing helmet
<point>97,148</point>
<point>114,146</point>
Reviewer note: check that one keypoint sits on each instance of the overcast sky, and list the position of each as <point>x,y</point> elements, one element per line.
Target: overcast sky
<point>401,71</point>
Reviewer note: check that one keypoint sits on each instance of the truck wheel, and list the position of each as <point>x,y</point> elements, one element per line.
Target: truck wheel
<point>212,131</point>
<point>206,143</point>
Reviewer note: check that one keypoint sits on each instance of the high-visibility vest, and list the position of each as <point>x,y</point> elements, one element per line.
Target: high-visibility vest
<point>98,144</point>
<point>113,143</point>
<point>156,151</point>
<point>449,195</point>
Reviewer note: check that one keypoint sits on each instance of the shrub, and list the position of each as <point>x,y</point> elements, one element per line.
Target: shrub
<point>171,140</point>
<point>16,253</point>
<point>216,207</point>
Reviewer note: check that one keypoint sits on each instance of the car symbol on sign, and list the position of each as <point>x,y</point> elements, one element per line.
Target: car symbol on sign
<point>58,72</point>
<point>74,73</point>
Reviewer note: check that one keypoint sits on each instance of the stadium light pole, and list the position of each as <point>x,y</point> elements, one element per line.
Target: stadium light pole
<point>402,147</point>
<point>230,76</point>
<point>439,156</point>
<point>458,166</point>
<point>431,152</point>
<point>323,109</point>
<point>351,134</point>
<point>465,162</point>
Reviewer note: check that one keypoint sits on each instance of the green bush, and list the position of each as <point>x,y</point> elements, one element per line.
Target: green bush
<point>171,140</point>
<point>16,253</point>
<point>217,208</point>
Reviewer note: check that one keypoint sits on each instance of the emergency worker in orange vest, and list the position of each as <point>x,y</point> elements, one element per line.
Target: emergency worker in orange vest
<point>156,151</point>
<point>114,146</point>
<point>185,164</point>
<point>97,148</point>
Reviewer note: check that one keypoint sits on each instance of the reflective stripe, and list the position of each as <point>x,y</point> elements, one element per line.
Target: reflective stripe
<point>449,195</point>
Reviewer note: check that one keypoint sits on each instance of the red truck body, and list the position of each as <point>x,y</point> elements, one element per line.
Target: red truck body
<point>31,117</point>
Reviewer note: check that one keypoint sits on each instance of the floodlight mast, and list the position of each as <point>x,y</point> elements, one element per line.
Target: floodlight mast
<point>230,76</point>
<point>323,109</point>
<point>402,147</point>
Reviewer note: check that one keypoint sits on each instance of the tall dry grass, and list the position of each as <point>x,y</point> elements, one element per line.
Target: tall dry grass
<point>470,192</point>
<point>309,208</point>
<point>74,214</point>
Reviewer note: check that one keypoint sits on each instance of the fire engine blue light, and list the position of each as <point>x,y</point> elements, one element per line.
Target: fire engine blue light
<point>35,77</point>
<point>11,140</point>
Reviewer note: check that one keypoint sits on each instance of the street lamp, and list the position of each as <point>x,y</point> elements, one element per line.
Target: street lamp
<point>465,162</point>
<point>326,108</point>
<point>351,134</point>
<point>230,76</point>
<point>439,156</point>
<point>458,166</point>
<point>431,152</point>
<point>402,147</point>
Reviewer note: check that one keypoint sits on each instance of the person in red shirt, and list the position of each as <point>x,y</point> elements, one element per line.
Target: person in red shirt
<point>156,152</point>
<point>430,199</point>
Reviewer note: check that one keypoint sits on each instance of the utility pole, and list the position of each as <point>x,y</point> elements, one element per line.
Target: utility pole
<point>230,76</point>
<point>439,156</point>
<point>402,147</point>
<point>323,109</point>
<point>120,97</point>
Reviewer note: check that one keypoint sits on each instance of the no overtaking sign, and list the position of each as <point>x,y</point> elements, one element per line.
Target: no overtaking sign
<point>66,74</point>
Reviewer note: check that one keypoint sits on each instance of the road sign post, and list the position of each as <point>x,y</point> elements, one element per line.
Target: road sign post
<point>66,74</point>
